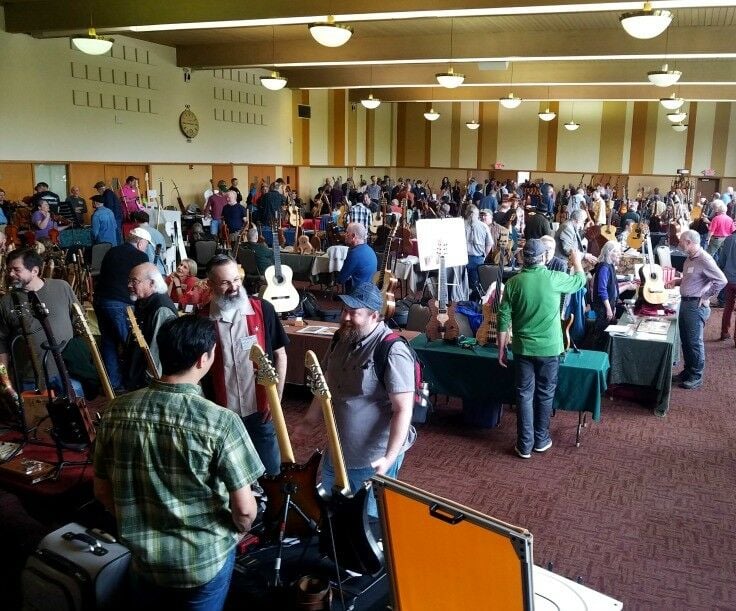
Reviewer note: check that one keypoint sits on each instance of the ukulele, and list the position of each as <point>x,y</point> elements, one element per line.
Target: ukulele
<point>83,329</point>
<point>652,278</point>
<point>280,291</point>
<point>442,323</point>
<point>300,479</point>
<point>142,343</point>
<point>347,537</point>
<point>71,421</point>
<point>487,333</point>
<point>385,279</point>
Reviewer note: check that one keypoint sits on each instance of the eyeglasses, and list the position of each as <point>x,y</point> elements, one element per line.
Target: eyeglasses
<point>135,281</point>
<point>226,284</point>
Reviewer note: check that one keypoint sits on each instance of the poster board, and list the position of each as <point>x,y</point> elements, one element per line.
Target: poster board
<point>432,234</point>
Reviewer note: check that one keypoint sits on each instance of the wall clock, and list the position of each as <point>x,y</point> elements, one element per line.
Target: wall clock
<point>188,123</point>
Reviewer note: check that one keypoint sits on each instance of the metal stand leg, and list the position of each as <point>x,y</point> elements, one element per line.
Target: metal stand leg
<point>582,422</point>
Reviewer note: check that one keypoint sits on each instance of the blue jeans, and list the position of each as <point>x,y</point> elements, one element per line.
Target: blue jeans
<point>692,320</point>
<point>474,261</point>
<point>356,477</point>
<point>263,436</point>
<point>114,330</point>
<point>210,596</point>
<point>536,382</point>
<point>214,227</point>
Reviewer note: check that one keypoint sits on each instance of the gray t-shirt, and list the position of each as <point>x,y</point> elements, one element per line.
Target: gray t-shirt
<point>360,401</point>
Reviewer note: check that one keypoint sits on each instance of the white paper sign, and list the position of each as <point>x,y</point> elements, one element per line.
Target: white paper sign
<point>441,235</point>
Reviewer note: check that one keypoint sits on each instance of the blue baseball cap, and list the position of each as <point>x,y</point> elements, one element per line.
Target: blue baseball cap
<point>365,295</point>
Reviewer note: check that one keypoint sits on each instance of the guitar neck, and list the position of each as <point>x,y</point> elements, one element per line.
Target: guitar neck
<point>95,352</point>
<point>32,354</point>
<point>443,296</point>
<point>333,441</point>
<point>279,423</point>
<point>142,343</point>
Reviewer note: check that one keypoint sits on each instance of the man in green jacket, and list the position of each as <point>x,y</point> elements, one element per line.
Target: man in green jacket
<point>531,301</point>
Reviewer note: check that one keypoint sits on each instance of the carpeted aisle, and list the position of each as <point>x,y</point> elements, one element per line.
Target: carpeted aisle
<point>642,511</point>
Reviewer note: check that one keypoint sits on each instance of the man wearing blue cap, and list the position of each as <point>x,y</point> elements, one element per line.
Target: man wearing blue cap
<point>373,416</point>
<point>531,304</point>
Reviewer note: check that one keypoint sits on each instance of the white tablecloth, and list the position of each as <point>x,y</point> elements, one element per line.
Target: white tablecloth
<point>405,271</point>
<point>331,261</point>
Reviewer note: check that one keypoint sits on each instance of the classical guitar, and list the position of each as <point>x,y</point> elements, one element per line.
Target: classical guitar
<point>608,231</point>
<point>442,323</point>
<point>299,480</point>
<point>280,291</point>
<point>652,278</point>
<point>72,424</point>
<point>142,343</point>
<point>347,531</point>
<point>83,329</point>
<point>385,279</point>
<point>636,236</point>
<point>487,333</point>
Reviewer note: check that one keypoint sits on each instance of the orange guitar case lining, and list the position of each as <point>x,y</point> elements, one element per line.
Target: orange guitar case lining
<point>442,555</point>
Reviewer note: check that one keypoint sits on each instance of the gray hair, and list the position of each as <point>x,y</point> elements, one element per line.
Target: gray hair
<point>608,251</point>
<point>471,212</point>
<point>691,235</point>
<point>577,215</point>
<point>719,205</point>
<point>549,244</point>
<point>159,284</point>
<point>359,230</point>
<point>253,234</point>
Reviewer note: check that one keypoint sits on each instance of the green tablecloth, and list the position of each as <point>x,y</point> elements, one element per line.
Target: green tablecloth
<point>645,362</point>
<point>477,376</point>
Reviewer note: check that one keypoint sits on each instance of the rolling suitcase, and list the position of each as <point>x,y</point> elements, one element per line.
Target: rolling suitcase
<point>76,569</point>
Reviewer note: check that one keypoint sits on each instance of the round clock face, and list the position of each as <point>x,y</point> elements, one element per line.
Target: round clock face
<point>188,123</point>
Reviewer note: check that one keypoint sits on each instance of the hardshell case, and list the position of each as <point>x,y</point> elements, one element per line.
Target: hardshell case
<point>74,569</point>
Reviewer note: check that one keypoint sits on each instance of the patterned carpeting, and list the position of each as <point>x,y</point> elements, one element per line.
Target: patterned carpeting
<point>641,511</point>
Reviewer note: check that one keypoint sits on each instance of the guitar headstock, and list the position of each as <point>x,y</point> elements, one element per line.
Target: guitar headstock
<point>137,333</point>
<point>315,377</point>
<point>441,248</point>
<point>265,373</point>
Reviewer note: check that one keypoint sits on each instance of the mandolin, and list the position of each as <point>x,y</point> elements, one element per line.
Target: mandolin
<point>347,537</point>
<point>83,329</point>
<point>280,291</point>
<point>652,278</point>
<point>142,343</point>
<point>442,323</point>
<point>299,480</point>
<point>385,279</point>
<point>72,424</point>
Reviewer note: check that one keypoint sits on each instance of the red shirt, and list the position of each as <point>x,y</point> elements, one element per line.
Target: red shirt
<point>721,226</point>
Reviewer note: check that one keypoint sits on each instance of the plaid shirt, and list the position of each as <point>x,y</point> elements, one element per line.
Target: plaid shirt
<point>360,214</point>
<point>172,458</point>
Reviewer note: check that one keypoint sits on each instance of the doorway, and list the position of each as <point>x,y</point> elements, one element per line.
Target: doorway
<point>707,187</point>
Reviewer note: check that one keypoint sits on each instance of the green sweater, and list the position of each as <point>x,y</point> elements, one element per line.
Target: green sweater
<point>531,301</point>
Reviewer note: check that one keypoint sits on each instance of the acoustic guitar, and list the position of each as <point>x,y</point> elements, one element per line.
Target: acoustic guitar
<point>83,329</point>
<point>637,236</point>
<point>142,343</point>
<point>442,323</point>
<point>385,279</point>
<point>299,480</point>
<point>347,536</point>
<point>72,424</point>
<point>652,278</point>
<point>280,291</point>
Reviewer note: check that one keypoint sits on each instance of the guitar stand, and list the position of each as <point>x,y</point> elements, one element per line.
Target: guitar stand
<point>582,415</point>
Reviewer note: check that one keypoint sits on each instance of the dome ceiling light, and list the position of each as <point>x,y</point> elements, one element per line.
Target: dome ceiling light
<point>646,23</point>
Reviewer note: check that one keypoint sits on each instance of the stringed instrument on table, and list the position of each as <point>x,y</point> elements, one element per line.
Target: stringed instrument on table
<point>348,532</point>
<point>142,343</point>
<point>72,424</point>
<point>378,218</point>
<point>487,333</point>
<point>637,236</point>
<point>83,329</point>
<point>608,231</point>
<point>651,275</point>
<point>442,323</point>
<point>385,280</point>
<point>300,480</point>
<point>280,291</point>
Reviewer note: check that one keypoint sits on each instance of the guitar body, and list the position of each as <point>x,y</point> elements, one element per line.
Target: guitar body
<point>355,545</point>
<point>280,291</point>
<point>566,326</point>
<point>487,332</point>
<point>636,237</point>
<point>390,282</point>
<point>609,232</point>
<point>442,325</point>
<point>304,479</point>
<point>652,284</point>
<point>71,422</point>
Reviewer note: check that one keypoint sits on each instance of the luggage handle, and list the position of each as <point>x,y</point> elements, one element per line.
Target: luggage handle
<point>439,512</point>
<point>94,545</point>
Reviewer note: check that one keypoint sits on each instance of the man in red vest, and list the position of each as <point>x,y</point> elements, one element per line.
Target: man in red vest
<point>242,321</point>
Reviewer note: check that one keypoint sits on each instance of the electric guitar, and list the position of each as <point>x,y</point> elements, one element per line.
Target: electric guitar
<point>652,278</point>
<point>142,343</point>
<point>83,329</point>
<point>280,291</point>
<point>300,480</point>
<point>347,532</point>
<point>442,323</point>
<point>72,424</point>
<point>385,279</point>
<point>487,333</point>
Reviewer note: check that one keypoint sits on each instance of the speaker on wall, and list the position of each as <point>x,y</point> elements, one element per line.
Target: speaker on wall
<point>304,111</point>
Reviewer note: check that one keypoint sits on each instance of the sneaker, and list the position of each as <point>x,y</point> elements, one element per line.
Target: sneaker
<point>545,447</point>
<point>691,384</point>
<point>521,454</point>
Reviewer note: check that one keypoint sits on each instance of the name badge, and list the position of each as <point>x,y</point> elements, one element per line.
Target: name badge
<point>690,270</point>
<point>247,342</point>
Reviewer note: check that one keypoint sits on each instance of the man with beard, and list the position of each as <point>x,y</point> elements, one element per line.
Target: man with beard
<point>373,416</point>
<point>242,321</point>
<point>24,273</point>
<point>153,307</point>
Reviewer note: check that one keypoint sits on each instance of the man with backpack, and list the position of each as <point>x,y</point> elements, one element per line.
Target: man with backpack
<point>372,400</point>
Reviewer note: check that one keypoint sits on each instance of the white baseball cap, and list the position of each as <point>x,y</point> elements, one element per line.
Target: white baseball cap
<point>139,232</point>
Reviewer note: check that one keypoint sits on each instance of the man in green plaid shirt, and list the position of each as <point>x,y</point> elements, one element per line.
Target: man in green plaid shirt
<point>176,469</point>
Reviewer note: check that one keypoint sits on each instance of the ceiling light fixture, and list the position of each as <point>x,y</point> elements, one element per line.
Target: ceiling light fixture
<point>275,81</point>
<point>547,115</point>
<point>370,102</point>
<point>450,79</point>
<point>474,124</point>
<point>431,114</point>
<point>680,127</point>
<point>510,101</point>
<point>677,116</point>
<point>671,103</point>
<point>328,33</point>
<point>646,23</point>
<point>92,44</point>
<point>664,77</point>
<point>571,125</point>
